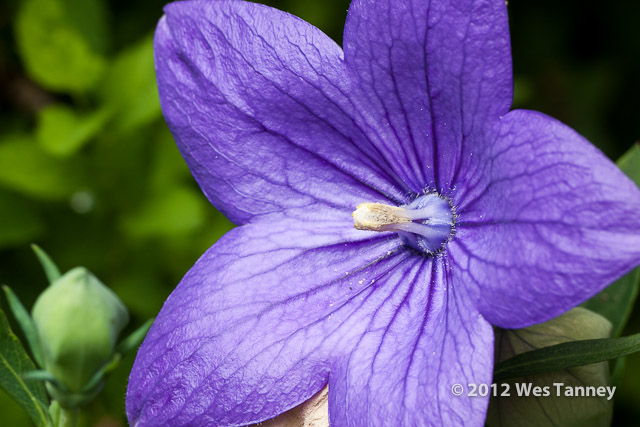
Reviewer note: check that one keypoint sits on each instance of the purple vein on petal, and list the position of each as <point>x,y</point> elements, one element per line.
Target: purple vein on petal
<point>404,255</point>
<point>306,107</point>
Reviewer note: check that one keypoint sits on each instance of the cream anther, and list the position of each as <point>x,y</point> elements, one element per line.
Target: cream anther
<point>378,217</point>
<point>426,224</point>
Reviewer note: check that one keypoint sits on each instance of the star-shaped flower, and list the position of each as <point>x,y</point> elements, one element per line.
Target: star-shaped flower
<point>466,214</point>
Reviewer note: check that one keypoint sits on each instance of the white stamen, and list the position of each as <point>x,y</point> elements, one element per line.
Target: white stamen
<point>426,224</point>
<point>378,217</point>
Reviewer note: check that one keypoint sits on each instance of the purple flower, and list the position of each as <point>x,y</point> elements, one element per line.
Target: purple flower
<point>467,214</point>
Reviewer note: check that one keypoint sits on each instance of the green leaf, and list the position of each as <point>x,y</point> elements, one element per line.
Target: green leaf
<point>19,220</point>
<point>630,163</point>
<point>14,363</point>
<point>61,132</point>
<point>50,268</point>
<point>522,409</point>
<point>26,324</point>
<point>130,87</point>
<point>566,355</point>
<point>57,43</point>
<point>25,168</point>
<point>617,300</point>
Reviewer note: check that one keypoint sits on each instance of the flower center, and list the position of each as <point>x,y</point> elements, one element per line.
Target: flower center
<point>426,224</point>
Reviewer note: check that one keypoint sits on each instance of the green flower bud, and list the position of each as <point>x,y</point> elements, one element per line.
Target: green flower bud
<point>78,320</point>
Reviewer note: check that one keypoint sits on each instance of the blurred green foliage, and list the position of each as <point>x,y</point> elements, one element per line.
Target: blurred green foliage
<point>61,42</point>
<point>89,171</point>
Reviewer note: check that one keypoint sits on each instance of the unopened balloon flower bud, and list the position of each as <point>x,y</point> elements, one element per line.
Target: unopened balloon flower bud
<point>78,320</point>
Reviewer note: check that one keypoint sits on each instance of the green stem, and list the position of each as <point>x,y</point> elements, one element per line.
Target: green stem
<point>63,417</point>
<point>69,417</point>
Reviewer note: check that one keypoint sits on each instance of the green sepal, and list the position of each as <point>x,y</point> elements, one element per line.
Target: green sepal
<point>99,375</point>
<point>26,324</point>
<point>73,400</point>
<point>126,345</point>
<point>50,268</point>
<point>134,339</point>
<point>46,376</point>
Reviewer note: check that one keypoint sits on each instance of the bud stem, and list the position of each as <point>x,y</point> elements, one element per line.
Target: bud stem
<point>63,417</point>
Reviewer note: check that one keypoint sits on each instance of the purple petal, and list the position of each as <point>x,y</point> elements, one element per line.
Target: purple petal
<point>437,71</point>
<point>546,221</point>
<point>425,339</point>
<point>251,330</point>
<point>258,102</point>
